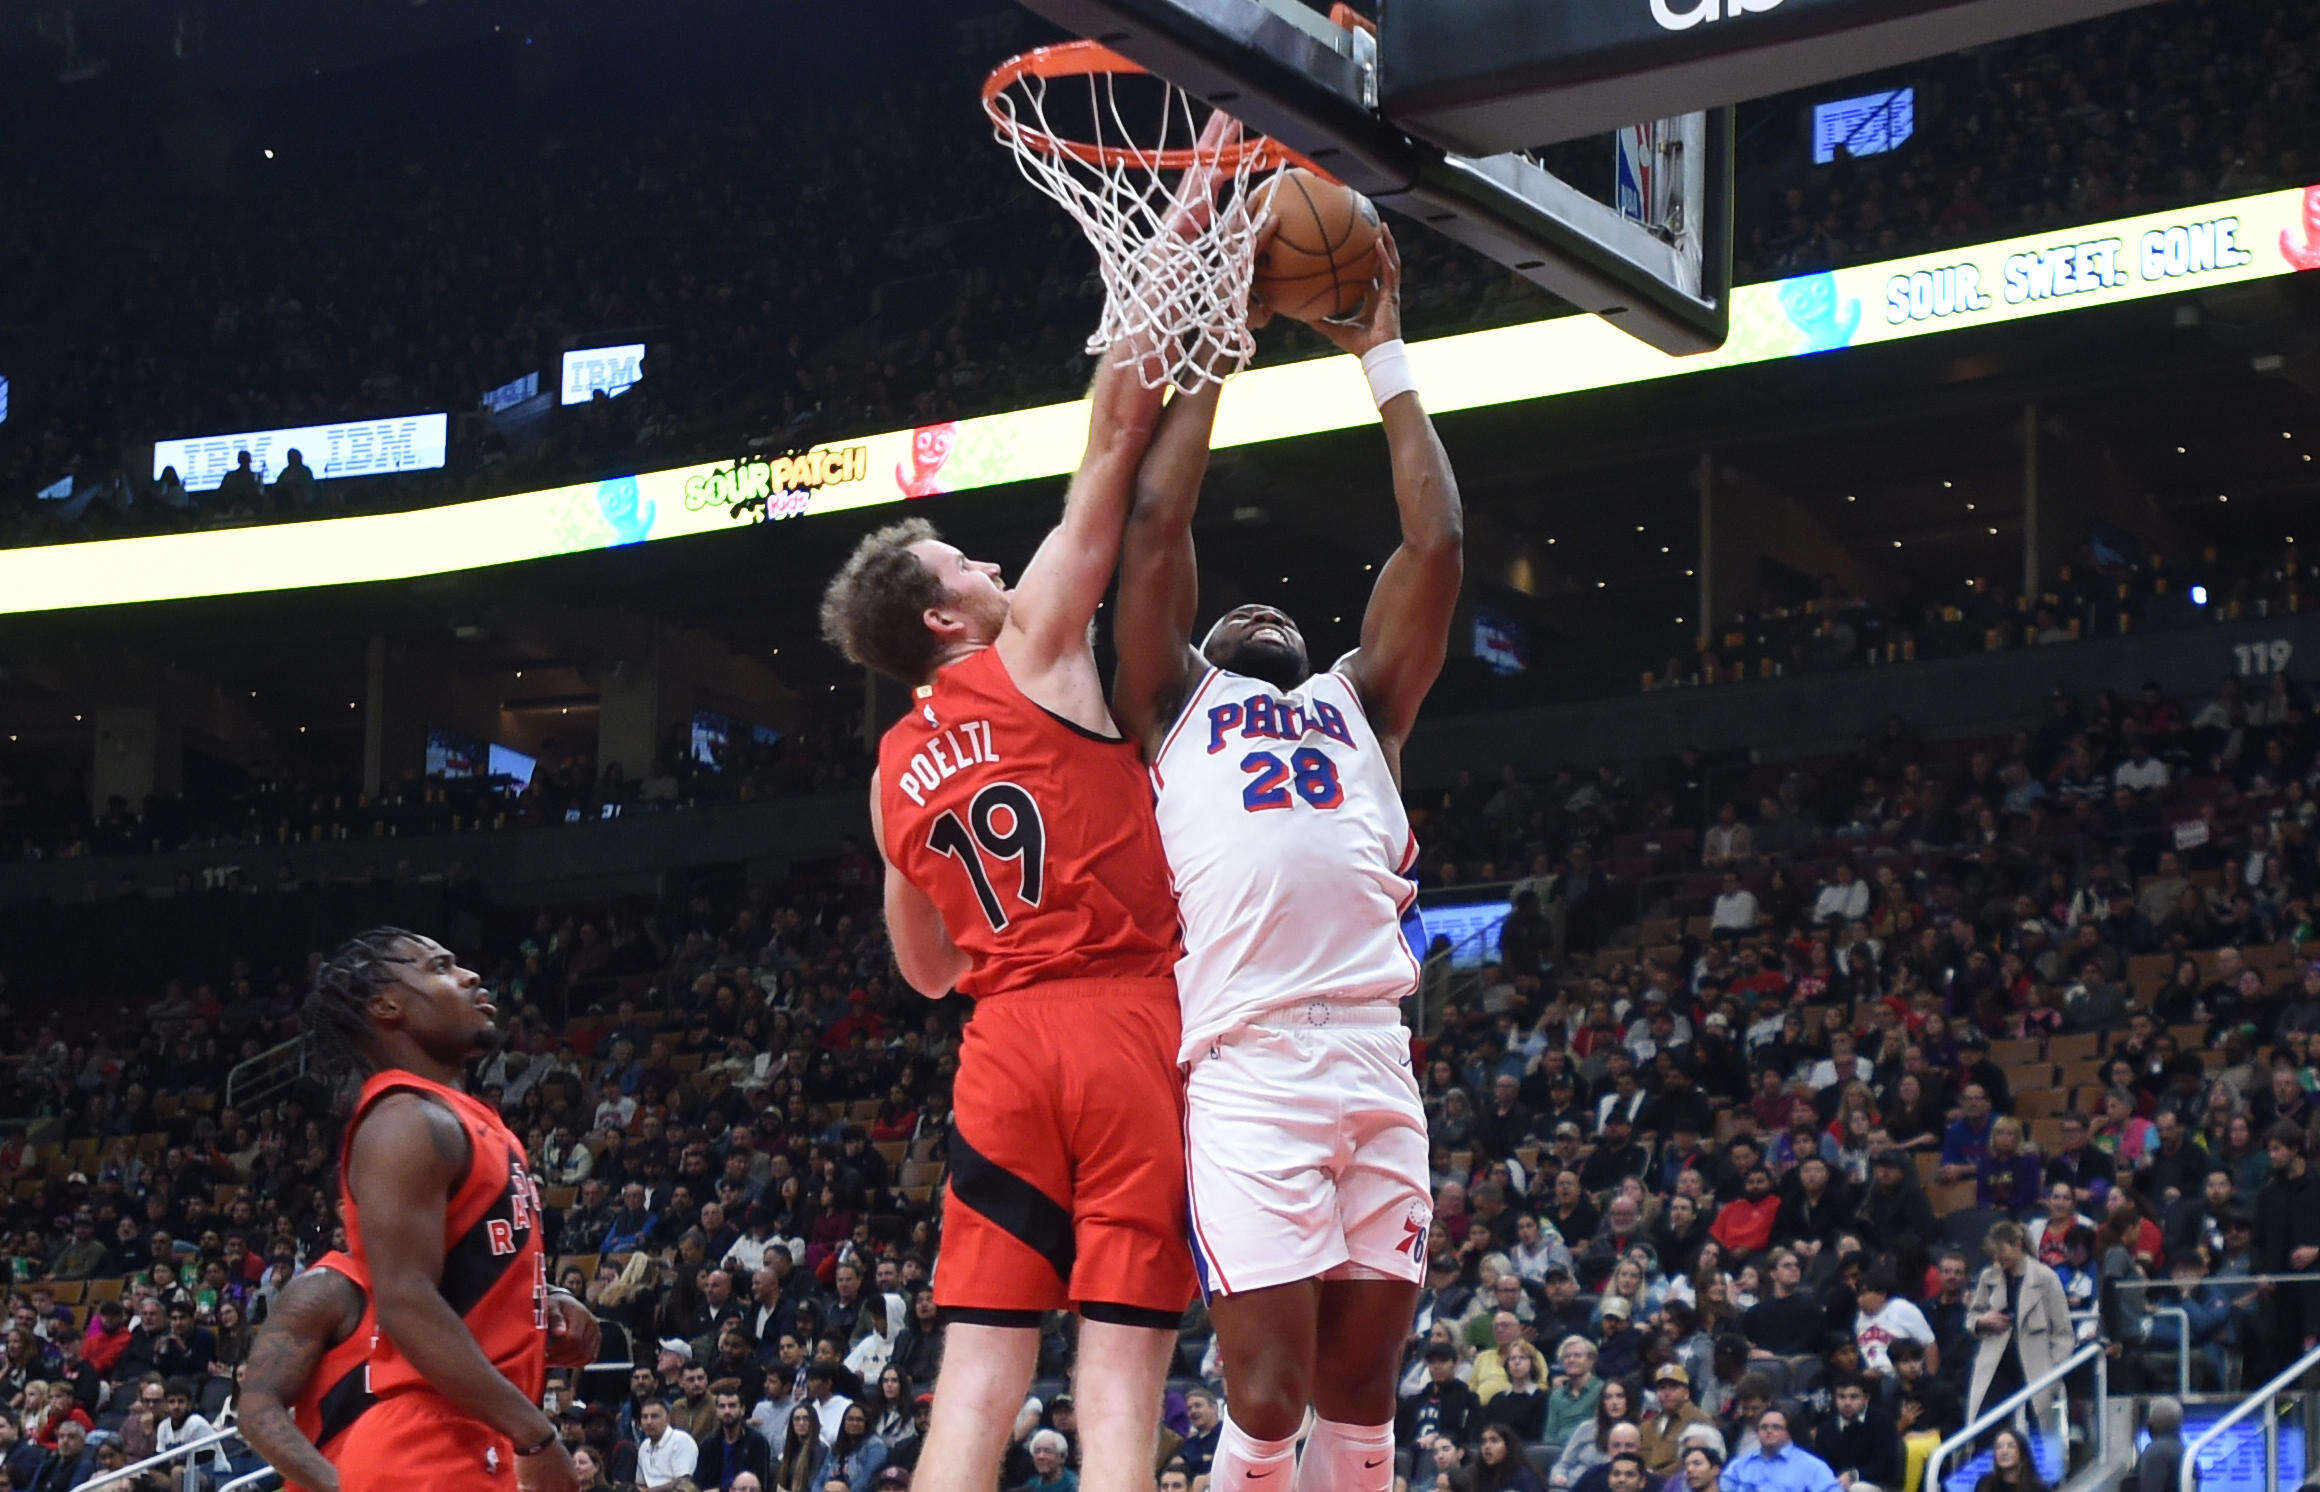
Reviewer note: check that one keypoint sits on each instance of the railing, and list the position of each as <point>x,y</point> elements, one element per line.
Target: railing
<point>256,1079</point>
<point>2183,1317</point>
<point>1998,1413</point>
<point>249,1480</point>
<point>2268,1397</point>
<point>187,1449</point>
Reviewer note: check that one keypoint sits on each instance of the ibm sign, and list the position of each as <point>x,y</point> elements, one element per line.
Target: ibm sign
<point>589,371</point>
<point>358,448</point>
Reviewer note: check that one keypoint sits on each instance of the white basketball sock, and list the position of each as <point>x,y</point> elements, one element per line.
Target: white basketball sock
<point>1347,1458</point>
<point>1246,1464</point>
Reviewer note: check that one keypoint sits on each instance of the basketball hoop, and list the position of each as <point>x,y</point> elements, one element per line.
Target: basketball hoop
<point>1167,209</point>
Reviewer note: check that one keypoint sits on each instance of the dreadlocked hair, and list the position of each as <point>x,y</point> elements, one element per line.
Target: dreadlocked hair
<point>332,1014</point>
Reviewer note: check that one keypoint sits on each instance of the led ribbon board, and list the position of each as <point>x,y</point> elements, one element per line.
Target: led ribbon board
<point>2016,279</point>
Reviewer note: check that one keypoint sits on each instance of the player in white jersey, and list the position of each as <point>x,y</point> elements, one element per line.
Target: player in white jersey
<point>1279,803</point>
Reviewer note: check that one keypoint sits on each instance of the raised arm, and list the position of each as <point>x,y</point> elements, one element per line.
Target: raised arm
<point>1056,597</point>
<point>930,962</point>
<point>1159,579</point>
<point>314,1311</point>
<point>1405,634</point>
<point>405,1157</point>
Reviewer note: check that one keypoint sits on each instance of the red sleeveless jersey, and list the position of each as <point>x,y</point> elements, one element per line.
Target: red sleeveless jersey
<point>1032,836</point>
<point>495,1275</point>
<point>339,1390</point>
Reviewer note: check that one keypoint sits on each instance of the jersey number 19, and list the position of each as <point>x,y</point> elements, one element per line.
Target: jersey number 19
<point>1003,823</point>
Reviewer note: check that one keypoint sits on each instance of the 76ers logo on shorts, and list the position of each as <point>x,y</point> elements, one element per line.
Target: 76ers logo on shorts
<point>1414,1227</point>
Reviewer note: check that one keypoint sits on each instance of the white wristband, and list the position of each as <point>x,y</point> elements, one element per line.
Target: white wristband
<point>1388,367</point>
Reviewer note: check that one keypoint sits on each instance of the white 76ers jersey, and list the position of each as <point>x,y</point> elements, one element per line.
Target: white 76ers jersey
<point>1289,848</point>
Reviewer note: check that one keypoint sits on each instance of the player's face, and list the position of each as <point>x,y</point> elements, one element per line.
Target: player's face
<point>1262,643</point>
<point>972,588</point>
<point>444,1006</point>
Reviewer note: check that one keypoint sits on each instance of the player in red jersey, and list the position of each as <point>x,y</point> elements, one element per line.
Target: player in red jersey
<point>443,1218</point>
<point>1024,869</point>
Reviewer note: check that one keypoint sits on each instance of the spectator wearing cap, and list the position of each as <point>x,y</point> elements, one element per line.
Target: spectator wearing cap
<point>1442,1409</point>
<point>1663,1429</point>
<point>1619,1345</point>
<point>1560,1313</point>
<point>83,1255</point>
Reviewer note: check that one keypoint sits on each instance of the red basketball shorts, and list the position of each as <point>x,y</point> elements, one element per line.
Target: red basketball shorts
<point>1067,1154</point>
<point>415,1440</point>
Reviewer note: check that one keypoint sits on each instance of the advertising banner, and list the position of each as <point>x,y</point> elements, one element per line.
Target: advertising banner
<point>357,448</point>
<point>2016,279</point>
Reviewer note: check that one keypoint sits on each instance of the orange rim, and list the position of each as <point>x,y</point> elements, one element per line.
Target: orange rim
<point>1078,59</point>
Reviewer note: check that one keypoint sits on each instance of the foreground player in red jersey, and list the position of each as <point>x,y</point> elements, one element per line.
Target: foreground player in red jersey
<point>443,1218</point>
<point>1023,868</point>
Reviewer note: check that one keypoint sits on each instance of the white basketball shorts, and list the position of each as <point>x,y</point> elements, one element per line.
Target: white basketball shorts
<point>1305,1144</point>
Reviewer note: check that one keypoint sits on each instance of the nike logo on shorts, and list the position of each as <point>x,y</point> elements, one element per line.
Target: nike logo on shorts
<point>1373,1465</point>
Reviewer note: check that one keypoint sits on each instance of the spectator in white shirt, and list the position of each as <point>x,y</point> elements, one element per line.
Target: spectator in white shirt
<point>1727,839</point>
<point>1736,911</point>
<point>1844,899</point>
<point>1883,1319</point>
<point>828,1404</point>
<point>665,1455</point>
<point>180,1424</point>
<point>2141,772</point>
<point>1843,1064</point>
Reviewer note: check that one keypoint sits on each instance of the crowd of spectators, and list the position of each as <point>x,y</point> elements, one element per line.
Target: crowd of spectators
<point>1717,1191</point>
<point>822,752</point>
<point>2162,106</point>
<point>917,295</point>
<point>2099,593</point>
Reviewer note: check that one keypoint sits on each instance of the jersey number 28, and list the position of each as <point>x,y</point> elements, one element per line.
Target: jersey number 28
<point>1002,822</point>
<point>1308,772</point>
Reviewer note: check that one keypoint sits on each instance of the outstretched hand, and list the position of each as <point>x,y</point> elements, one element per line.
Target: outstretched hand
<point>1194,207</point>
<point>1379,319</point>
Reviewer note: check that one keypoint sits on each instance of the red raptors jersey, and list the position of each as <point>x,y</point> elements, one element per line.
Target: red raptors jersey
<point>339,1390</point>
<point>495,1275</point>
<point>1032,836</point>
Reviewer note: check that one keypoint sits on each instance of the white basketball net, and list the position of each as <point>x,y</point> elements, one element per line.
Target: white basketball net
<point>1176,275</point>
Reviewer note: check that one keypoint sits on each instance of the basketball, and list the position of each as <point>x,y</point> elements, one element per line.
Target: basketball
<point>1323,255</point>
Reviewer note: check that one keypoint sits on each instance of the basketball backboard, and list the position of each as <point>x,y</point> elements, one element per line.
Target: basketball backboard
<point>1434,113</point>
